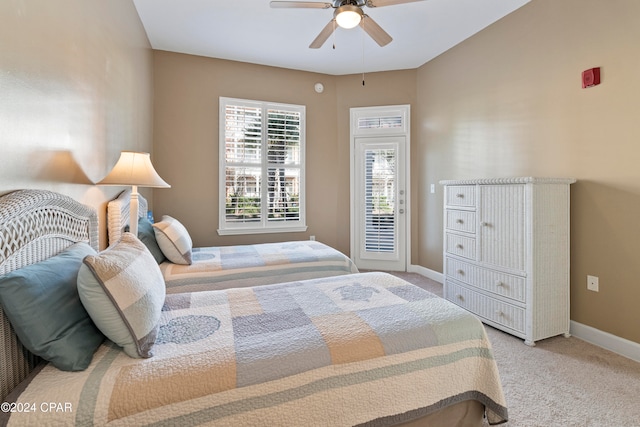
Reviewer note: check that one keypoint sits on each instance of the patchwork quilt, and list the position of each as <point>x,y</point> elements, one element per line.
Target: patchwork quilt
<point>361,349</point>
<point>227,267</point>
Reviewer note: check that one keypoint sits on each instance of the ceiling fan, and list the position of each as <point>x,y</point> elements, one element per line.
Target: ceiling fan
<point>347,14</point>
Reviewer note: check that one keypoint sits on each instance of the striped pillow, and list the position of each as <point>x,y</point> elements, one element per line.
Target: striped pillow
<point>123,291</point>
<point>174,240</point>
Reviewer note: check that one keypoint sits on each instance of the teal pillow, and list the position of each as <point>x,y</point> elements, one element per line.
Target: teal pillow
<point>41,301</point>
<point>148,237</point>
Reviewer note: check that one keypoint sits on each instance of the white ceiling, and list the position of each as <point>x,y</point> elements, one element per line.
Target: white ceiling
<point>252,31</point>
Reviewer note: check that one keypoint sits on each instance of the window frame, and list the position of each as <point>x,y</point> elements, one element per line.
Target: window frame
<point>264,225</point>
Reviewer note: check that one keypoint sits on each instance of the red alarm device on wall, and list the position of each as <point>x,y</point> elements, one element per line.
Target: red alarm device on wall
<point>591,77</point>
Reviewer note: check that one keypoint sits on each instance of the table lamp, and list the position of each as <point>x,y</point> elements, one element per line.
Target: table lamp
<point>134,169</point>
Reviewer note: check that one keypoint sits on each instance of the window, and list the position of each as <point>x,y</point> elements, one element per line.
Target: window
<point>261,167</point>
<point>380,122</point>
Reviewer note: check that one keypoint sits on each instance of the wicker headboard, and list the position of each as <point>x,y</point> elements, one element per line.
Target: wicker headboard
<point>35,225</point>
<point>118,214</point>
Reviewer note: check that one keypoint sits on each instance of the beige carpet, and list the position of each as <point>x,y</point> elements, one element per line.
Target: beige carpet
<point>561,381</point>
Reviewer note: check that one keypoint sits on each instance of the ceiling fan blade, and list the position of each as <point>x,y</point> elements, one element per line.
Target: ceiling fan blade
<point>375,31</point>
<point>381,3</point>
<point>300,4</point>
<point>324,35</point>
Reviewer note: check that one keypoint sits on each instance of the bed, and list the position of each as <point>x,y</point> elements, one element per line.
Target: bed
<point>360,349</point>
<point>226,267</point>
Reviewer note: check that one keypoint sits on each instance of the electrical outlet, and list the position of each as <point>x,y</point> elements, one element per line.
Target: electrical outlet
<point>592,283</point>
<point>312,237</point>
<point>433,188</point>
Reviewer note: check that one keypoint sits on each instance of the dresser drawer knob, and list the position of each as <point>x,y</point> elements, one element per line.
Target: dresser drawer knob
<point>499,313</point>
<point>460,196</point>
<point>459,221</point>
<point>499,284</point>
<point>459,246</point>
<point>460,297</point>
<point>461,272</point>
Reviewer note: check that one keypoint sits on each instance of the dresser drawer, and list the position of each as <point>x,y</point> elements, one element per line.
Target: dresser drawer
<point>496,311</point>
<point>507,285</point>
<point>461,246</point>
<point>461,221</point>
<point>460,195</point>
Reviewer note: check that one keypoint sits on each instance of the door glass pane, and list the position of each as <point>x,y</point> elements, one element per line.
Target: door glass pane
<point>380,190</point>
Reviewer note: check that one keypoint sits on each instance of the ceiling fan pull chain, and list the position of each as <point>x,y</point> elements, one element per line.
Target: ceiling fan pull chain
<point>362,39</point>
<point>333,35</point>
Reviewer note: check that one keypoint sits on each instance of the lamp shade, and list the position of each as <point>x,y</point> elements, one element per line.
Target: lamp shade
<point>134,168</point>
<point>348,16</point>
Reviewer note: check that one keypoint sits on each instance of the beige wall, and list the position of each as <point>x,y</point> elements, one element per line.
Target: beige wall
<point>387,88</point>
<point>77,87</point>
<point>508,102</point>
<point>187,90</point>
<point>75,90</point>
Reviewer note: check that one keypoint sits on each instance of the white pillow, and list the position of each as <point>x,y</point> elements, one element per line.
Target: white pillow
<point>123,291</point>
<point>174,240</point>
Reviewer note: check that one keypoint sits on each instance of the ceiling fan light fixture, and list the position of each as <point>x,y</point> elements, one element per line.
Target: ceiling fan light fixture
<point>348,16</point>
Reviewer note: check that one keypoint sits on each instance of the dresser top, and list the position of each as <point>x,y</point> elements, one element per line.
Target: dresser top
<point>514,180</point>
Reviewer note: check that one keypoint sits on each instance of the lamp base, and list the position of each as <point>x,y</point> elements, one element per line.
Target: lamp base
<point>133,211</point>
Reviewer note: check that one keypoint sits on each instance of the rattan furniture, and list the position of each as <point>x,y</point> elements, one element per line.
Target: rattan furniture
<point>35,225</point>
<point>506,253</point>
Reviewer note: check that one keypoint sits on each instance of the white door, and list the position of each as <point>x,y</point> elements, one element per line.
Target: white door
<point>380,208</point>
<point>380,203</point>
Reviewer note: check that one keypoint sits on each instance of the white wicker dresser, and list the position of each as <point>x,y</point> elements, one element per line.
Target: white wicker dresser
<point>506,253</point>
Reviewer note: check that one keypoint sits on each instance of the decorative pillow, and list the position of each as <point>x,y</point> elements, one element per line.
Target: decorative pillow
<point>174,240</point>
<point>148,237</point>
<point>123,290</point>
<point>41,302</point>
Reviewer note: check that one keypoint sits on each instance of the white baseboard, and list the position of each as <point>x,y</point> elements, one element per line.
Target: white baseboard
<point>430,274</point>
<point>586,333</point>
<point>606,340</point>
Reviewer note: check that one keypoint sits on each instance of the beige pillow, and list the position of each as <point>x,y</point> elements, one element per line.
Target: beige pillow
<point>123,291</point>
<point>174,240</point>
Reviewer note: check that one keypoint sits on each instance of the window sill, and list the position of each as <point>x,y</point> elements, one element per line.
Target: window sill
<point>271,230</point>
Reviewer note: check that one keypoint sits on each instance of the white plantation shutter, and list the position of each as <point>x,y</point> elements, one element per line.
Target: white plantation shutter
<point>381,122</point>
<point>283,132</point>
<point>243,172</point>
<point>380,190</point>
<point>283,148</point>
<point>261,167</point>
